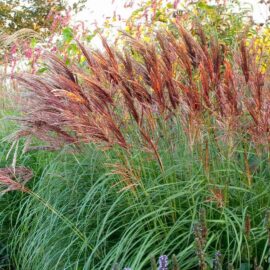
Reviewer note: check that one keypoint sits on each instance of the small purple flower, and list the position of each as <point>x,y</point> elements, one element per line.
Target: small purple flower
<point>163,262</point>
<point>127,268</point>
<point>217,261</point>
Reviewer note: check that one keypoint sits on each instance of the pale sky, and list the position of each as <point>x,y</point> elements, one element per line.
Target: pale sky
<point>98,10</point>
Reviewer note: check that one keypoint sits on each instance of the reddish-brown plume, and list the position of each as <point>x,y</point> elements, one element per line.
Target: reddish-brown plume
<point>123,95</point>
<point>14,178</point>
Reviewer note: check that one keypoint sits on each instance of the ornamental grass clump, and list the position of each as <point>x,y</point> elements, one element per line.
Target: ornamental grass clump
<point>201,83</point>
<point>180,123</point>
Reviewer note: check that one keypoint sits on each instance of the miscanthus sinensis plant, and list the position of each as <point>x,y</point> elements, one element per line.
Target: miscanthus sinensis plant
<point>170,156</point>
<point>134,97</point>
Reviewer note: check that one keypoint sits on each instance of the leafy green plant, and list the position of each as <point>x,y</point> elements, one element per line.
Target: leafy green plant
<point>223,19</point>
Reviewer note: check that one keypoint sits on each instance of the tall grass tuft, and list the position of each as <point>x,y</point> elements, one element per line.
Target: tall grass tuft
<point>170,155</point>
<point>148,88</point>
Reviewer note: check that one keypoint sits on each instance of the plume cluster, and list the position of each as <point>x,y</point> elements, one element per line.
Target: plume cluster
<point>177,77</point>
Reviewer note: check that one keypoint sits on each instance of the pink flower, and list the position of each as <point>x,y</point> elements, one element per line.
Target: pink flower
<point>13,49</point>
<point>28,53</point>
<point>53,49</point>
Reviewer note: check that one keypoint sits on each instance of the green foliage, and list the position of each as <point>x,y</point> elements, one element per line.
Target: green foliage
<point>32,14</point>
<point>129,229</point>
<point>224,20</point>
<point>67,34</point>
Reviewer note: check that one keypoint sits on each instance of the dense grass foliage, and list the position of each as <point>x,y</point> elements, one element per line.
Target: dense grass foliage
<point>129,228</point>
<point>159,148</point>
